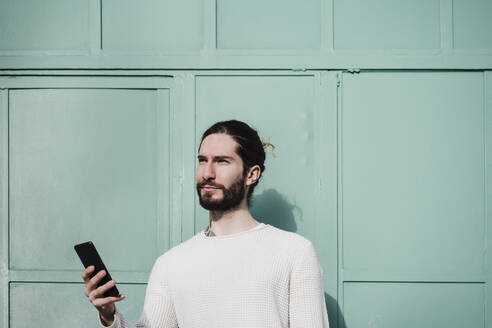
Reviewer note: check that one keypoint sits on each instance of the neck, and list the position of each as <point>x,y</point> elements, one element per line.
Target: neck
<point>232,221</point>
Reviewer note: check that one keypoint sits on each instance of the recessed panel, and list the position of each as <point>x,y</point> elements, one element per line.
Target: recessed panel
<point>472,24</point>
<point>413,175</point>
<point>83,166</point>
<point>153,25</point>
<point>406,305</point>
<point>386,24</point>
<point>32,25</point>
<point>275,24</point>
<point>46,305</point>
<point>281,108</point>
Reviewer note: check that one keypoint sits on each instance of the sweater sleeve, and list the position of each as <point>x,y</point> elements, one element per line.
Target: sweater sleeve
<point>307,306</point>
<point>158,310</point>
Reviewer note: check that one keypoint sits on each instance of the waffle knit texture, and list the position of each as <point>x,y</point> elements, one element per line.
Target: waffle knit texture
<point>264,277</point>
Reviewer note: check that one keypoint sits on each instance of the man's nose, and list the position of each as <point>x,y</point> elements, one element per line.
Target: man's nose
<point>209,171</point>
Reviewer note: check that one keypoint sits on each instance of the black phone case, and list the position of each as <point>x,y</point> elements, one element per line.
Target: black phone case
<point>89,256</point>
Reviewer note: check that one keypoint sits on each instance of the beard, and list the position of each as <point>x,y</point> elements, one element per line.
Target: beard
<point>232,196</point>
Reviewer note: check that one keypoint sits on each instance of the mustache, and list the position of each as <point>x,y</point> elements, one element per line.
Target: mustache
<point>204,183</point>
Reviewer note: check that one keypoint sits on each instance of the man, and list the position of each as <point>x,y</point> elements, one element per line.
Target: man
<point>236,273</point>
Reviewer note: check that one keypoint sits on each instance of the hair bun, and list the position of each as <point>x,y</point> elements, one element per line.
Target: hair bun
<point>267,144</point>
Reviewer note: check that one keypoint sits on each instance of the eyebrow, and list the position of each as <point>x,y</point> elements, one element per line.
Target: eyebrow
<point>216,157</point>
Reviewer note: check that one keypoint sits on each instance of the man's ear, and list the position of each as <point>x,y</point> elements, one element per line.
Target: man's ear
<point>253,175</point>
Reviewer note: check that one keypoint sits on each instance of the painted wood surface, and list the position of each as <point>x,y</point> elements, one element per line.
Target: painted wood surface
<point>103,102</point>
<point>274,34</point>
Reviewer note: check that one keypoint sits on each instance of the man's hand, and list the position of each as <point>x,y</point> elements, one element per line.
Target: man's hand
<point>105,305</point>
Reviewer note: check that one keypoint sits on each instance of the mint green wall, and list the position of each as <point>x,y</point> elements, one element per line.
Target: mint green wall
<point>234,34</point>
<point>412,221</point>
<point>385,169</point>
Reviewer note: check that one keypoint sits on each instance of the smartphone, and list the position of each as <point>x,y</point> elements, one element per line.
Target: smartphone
<point>89,256</point>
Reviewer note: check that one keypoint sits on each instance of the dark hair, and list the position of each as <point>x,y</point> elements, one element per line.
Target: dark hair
<point>250,147</point>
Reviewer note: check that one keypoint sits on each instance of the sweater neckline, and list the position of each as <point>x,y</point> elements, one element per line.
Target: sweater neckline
<point>256,228</point>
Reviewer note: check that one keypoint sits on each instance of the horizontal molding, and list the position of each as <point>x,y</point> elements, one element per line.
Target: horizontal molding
<point>481,60</point>
<point>149,73</point>
<point>353,275</point>
<point>105,82</point>
<point>137,277</point>
<point>411,282</point>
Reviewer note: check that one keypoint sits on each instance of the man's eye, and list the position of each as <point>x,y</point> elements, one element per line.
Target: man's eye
<point>223,161</point>
<point>201,160</point>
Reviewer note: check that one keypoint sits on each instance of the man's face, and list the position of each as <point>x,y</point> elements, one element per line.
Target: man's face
<point>219,176</point>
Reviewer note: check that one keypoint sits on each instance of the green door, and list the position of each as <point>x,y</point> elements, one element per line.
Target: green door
<point>297,114</point>
<point>88,160</point>
<point>412,223</point>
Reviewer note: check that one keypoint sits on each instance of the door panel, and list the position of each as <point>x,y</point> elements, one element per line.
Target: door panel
<point>82,167</point>
<point>34,304</point>
<point>88,160</point>
<point>414,304</point>
<point>56,26</point>
<point>297,114</point>
<point>412,194</point>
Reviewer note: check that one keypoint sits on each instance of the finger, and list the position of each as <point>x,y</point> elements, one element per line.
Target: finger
<point>102,289</point>
<point>99,291</point>
<point>98,302</point>
<point>88,290</point>
<point>87,272</point>
<point>95,280</point>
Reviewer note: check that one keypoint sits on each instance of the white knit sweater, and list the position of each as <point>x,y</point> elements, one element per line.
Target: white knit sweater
<point>264,277</point>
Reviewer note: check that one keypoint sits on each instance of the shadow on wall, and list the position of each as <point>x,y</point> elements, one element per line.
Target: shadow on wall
<point>333,309</point>
<point>270,207</point>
